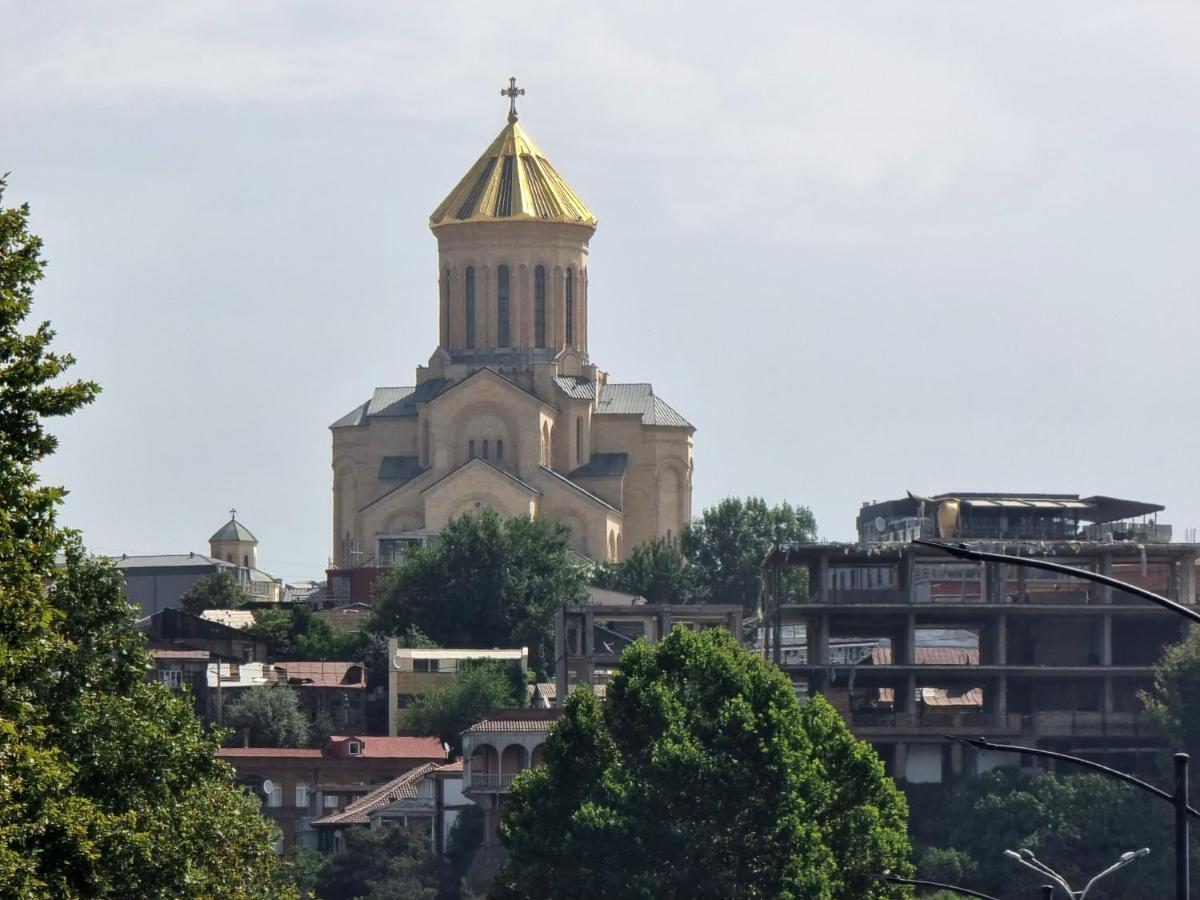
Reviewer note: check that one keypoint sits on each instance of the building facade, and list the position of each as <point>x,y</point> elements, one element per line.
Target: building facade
<point>984,649</point>
<point>510,413</point>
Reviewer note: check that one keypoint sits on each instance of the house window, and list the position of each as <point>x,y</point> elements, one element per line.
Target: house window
<point>302,793</point>
<point>330,801</point>
<point>502,306</point>
<point>470,449</point>
<point>172,678</point>
<point>499,450</point>
<point>392,550</point>
<point>579,439</point>
<point>539,306</point>
<point>470,314</point>
<point>569,306</point>
<point>275,799</point>
<point>355,748</point>
<point>426,665</point>
<point>485,449</point>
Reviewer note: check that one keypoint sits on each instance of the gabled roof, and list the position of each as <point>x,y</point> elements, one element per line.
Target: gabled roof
<point>579,489</point>
<point>170,561</point>
<point>639,400</point>
<point>576,386</point>
<point>379,747</point>
<point>512,180</point>
<point>601,465</point>
<point>491,465</point>
<point>393,401</point>
<point>402,788</point>
<point>233,530</point>
<point>233,618</point>
<point>514,721</point>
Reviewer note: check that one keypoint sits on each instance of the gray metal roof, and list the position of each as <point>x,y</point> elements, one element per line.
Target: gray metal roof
<point>576,387</point>
<point>546,470</point>
<point>233,530</point>
<point>400,468</point>
<point>356,416</point>
<point>393,401</point>
<point>601,464</point>
<point>638,399</point>
<point>170,560</point>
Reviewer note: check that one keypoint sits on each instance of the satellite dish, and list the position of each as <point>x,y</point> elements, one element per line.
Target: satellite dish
<point>880,524</point>
<point>268,786</point>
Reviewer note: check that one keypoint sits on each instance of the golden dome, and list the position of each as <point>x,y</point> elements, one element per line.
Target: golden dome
<point>512,181</point>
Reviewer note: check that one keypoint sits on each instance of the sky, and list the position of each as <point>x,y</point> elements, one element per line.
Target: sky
<point>865,248</point>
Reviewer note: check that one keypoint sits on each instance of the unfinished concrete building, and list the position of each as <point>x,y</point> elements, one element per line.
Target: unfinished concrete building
<point>1000,651</point>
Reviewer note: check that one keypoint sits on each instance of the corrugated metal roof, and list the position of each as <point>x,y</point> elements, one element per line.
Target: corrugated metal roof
<point>638,399</point>
<point>663,414</point>
<point>930,656</point>
<point>576,386</point>
<point>385,401</point>
<point>233,618</point>
<point>170,560</point>
<point>356,416</point>
<point>324,674</point>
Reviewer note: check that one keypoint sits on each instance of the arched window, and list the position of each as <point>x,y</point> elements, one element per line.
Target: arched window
<point>579,439</point>
<point>539,306</point>
<point>499,450</point>
<point>470,314</point>
<point>502,306</point>
<point>485,449</point>
<point>470,449</point>
<point>569,307</point>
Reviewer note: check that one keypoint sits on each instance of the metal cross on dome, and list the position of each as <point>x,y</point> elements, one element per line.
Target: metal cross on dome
<point>512,92</point>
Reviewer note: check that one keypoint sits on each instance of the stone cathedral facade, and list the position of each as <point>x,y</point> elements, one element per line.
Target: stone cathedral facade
<point>510,412</point>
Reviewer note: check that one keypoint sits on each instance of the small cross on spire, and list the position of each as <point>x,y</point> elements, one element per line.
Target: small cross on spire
<point>232,514</point>
<point>512,92</point>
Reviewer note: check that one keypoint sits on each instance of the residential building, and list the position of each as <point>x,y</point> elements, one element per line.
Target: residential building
<point>412,670</point>
<point>429,798</point>
<point>172,628</point>
<point>589,639</point>
<point>1047,660</point>
<point>301,785</point>
<point>180,669</point>
<point>335,691</point>
<point>496,749</point>
<point>510,413</point>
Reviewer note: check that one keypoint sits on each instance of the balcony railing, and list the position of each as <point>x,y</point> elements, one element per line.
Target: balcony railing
<point>978,723</point>
<point>490,782</point>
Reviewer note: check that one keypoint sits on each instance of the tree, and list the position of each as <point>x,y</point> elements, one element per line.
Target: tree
<point>702,777</point>
<point>446,710</point>
<point>729,541</point>
<point>108,784</point>
<point>387,863</point>
<point>655,570</point>
<point>216,591</point>
<point>273,715</point>
<point>1174,702</point>
<point>485,582</point>
<point>297,634</point>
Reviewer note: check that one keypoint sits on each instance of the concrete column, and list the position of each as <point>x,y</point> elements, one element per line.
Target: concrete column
<point>1106,568</point>
<point>777,649</point>
<point>1001,706</point>
<point>900,762</point>
<point>822,586</point>
<point>956,758</point>
<point>1108,695</point>
<point>1187,579</point>
<point>1022,584</point>
<point>908,652</point>
<point>818,639</point>
<point>1000,656</point>
<point>1106,654</point>
<point>910,693</point>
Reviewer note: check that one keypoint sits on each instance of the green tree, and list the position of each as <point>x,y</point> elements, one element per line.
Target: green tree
<point>702,777</point>
<point>301,869</point>
<point>729,541</point>
<point>388,863</point>
<point>217,591</point>
<point>272,713</point>
<point>655,570</point>
<point>446,710</point>
<point>298,634</point>
<point>485,582</point>
<point>108,784</point>
<point>1174,701</point>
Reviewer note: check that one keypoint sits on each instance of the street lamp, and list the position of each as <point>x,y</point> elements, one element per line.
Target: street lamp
<point>1026,858</point>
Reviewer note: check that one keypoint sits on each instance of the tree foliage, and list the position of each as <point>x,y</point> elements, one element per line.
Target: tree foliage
<point>729,541</point>
<point>272,713</point>
<point>108,783</point>
<point>1174,701</point>
<point>702,777</point>
<point>446,710</point>
<point>298,634</point>
<point>387,863</point>
<point>219,590</point>
<point>485,582</point>
<point>655,570</point>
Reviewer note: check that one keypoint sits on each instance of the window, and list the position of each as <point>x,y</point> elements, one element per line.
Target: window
<point>172,678</point>
<point>579,439</point>
<point>499,449</point>
<point>276,796</point>
<point>426,665</point>
<point>302,793</point>
<point>485,449</point>
<point>502,306</point>
<point>330,801</point>
<point>470,449</point>
<point>539,306</point>
<point>569,306</point>
<point>470,313</point>
<point>355,748</point>
<point>392,550</point>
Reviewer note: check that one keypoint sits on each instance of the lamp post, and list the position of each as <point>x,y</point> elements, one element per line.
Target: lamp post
<point>1027,859</point>
<point>920,882</point>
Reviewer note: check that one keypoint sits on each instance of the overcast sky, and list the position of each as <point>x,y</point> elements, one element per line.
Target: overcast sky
<point>866,248</point>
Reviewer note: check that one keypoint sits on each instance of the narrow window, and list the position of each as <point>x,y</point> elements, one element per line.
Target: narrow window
<point>499,449</point>
<point>470,306</point>
<point>502,306</point>
<point>485,449</point>
<point>569,307</point>
<point>446,324</point>
<point>470,449</point>
<point>579,439</point>
<point>539,306</point>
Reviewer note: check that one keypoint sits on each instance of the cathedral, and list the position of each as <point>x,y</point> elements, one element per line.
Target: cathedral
<point>510,413</point>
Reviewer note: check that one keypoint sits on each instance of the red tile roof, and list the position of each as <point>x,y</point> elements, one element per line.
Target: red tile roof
<point>402,788</point>
<point>379,747</point>
<point>265,752</point>
<point>517,720</point>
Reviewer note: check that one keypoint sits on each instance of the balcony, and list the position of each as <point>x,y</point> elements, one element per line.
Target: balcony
<point>489,782</point>
<point>1092,724</point>
<point>872,723</point>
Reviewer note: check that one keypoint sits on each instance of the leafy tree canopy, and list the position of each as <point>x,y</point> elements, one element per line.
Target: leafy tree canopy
<point>108,783</point>
<point>272,713</point>
<point>388,863</point>
<point>297,634</point>
<point>1174,701</point>
<point>446,710</point>
<point>217,591</point>
<point>701,776</point>
<point>485,582</point>
<point>729,541</point>
<point>655,570</point>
